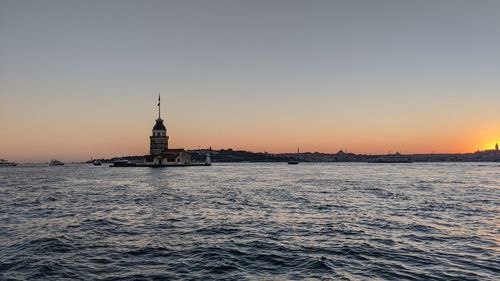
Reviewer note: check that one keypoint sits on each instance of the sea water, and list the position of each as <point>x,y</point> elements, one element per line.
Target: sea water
<point>249,221</point>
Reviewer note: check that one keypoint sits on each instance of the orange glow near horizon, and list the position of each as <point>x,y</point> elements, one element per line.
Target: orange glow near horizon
<point>98,128</point>
<point>82,146</point>
<point>32,130</point>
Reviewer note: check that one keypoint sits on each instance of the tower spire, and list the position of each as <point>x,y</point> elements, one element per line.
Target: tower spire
<point>159,108</point>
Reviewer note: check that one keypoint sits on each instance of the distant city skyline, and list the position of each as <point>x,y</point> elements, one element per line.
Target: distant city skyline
<point>80,79</point>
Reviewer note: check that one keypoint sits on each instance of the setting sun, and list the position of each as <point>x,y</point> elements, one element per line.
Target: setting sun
<point>490,145</point>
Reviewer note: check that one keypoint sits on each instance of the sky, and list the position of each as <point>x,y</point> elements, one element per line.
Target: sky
<point>80,79</point>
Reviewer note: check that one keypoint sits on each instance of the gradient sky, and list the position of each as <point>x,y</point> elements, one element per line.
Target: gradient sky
<point>80,79</point>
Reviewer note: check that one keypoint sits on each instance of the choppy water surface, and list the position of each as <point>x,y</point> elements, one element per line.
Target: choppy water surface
<point>251,221</point>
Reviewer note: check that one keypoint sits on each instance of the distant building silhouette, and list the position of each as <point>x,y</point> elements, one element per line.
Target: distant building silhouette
<point>496,147</point>
<point>159,153</point>
<point>158,143</point>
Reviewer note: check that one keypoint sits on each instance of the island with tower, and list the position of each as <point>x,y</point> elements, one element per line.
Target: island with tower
<point>160,155</point>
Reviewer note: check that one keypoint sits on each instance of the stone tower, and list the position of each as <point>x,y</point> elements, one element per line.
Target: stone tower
<point>159,138</point>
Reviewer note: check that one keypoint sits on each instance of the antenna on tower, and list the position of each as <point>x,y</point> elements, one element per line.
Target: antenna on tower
<point>159,108</point>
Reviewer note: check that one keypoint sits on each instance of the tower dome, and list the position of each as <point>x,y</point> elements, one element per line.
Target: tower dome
<point>159,125</point>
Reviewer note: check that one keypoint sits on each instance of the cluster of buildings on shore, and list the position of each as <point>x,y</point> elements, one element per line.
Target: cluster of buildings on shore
<point>490,155</point>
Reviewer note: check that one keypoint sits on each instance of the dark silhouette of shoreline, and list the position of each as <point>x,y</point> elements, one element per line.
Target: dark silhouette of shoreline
<point>230,155</point>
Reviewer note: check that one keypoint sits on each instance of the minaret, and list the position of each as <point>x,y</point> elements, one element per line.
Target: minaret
<point>159,138</point>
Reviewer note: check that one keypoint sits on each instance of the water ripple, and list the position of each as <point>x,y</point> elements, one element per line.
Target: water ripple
<point>251,222</point>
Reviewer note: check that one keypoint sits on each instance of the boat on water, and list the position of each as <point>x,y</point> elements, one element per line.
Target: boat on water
<point>96,163</point>
<point>122,163</point>
<point>5,163</point>
<point>294,161</point>
<point>55,162</point>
